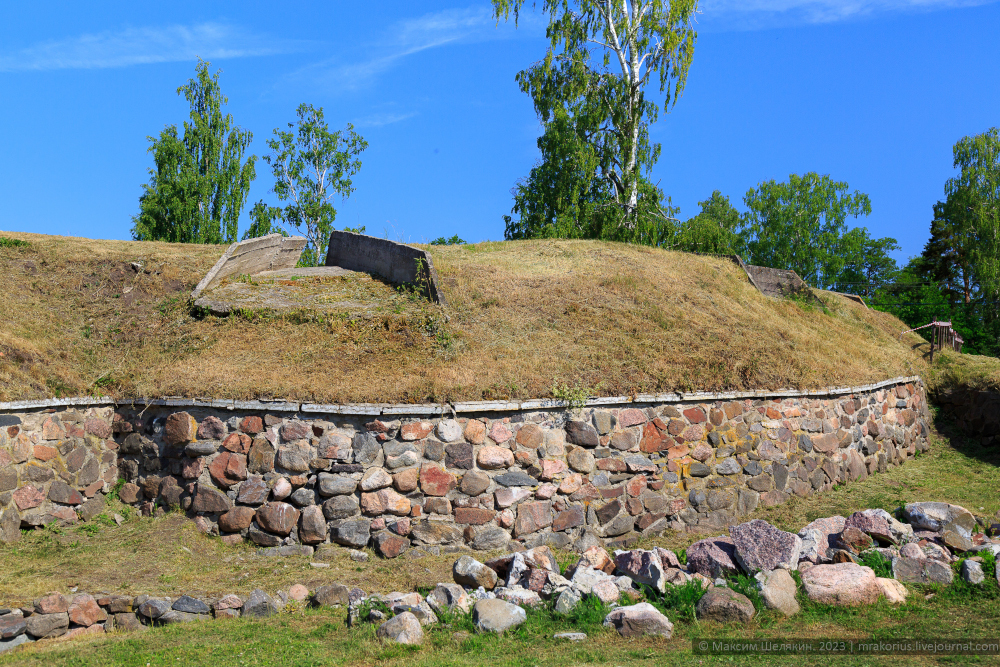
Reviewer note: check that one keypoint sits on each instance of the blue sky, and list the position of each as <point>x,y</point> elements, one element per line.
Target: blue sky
<point>872,92</point>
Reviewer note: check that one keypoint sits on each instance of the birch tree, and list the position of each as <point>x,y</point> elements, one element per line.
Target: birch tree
<point>801,225</point>
<point>311,166</point>
<point>200,181</point>
<point>602,57</point>
<point>978,186</point>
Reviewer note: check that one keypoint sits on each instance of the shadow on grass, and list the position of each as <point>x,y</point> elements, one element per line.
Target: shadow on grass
<point>964,443</point>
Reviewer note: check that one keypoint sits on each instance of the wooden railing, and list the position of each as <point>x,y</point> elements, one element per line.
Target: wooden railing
<point>943,335</point>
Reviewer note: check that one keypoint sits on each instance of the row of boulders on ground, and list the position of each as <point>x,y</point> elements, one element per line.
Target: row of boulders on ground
<point>920,548</point>
<point>828,554</point>
<point>66,616</point>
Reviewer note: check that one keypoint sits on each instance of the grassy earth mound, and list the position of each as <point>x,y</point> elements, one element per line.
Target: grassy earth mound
<point>113,317</point>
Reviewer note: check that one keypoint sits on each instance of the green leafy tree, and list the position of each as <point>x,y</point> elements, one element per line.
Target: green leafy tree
<point>800,224</point>
<point>564,195</point>
<point>866,263</point>
<point>948,255</point>
<point>714,230</point>
<point>311,166</point>
<point>950,288</point>
<point>978,187</point>
<point>200,181</point>
<point>590,94</point>
<point>942,283</point>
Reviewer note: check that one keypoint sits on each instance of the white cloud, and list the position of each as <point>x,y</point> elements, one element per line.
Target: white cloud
<point>141,46</point>
<point>752,14</point>
<point>407,38</point>
<point>380,119</point>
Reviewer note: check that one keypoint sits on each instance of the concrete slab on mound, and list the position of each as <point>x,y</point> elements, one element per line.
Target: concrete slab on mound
<point>398,263</point>
<point>252,256</point>
<point>325,289</point>
<point>779,283</point>
<point>260,275</point>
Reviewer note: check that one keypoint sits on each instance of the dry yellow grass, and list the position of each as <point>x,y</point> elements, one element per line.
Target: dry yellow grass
<point>964,371</point>
<point>522,316</point>
<point>167,555</point>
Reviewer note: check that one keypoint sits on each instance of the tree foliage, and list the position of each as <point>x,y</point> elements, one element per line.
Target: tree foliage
<point>311,166</point>
<point>943,283</point>
<point>590,94</point>
<point>200,181</point>
<point>801,225</point>
<point>977,187</point>
<point>948,255</point>
<point>454,239</point>
<point>715,230</point>
<point>564,195</point>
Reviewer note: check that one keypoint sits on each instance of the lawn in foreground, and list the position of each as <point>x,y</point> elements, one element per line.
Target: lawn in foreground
<point>320,637</point>
<point>176,559</point>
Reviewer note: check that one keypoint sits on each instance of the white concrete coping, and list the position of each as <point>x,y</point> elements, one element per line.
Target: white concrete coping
<point>434,409</point>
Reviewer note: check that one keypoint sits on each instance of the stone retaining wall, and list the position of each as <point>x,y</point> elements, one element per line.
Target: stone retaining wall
<point>292,475</point>
<point>976,413</point>
<point>55,465</point>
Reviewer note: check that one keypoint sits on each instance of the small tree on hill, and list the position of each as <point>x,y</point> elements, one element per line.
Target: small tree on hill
<point>311,166</point>
<point>590,92</point>
<point>200,181</point>
<point>715,230</point>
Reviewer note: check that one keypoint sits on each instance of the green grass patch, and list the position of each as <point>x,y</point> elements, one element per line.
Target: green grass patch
<point>7,242</point>
<point>677,602</point>
<point>877,562</point>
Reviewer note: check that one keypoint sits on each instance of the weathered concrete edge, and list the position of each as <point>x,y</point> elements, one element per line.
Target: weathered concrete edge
<point>273,242</point>
<point>73,402</point>
<point>376,409</point>
<point>740,263</point>
<point>336,257</point>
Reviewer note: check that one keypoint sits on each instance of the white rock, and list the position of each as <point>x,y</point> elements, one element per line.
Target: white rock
<point>639,620</point>
<point>282,489</point>
<point>567,600</point>
<point>497,616</point>
<point>449,430</point>
<point>894,591</point>
<point>375,479</point>
<point>519,596</point>
<point>624,584</point>
<point>586,578</point>
<point>468,571</point>
<point>402,629</point>
<point>778,589</point>
<point>449,597</point>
